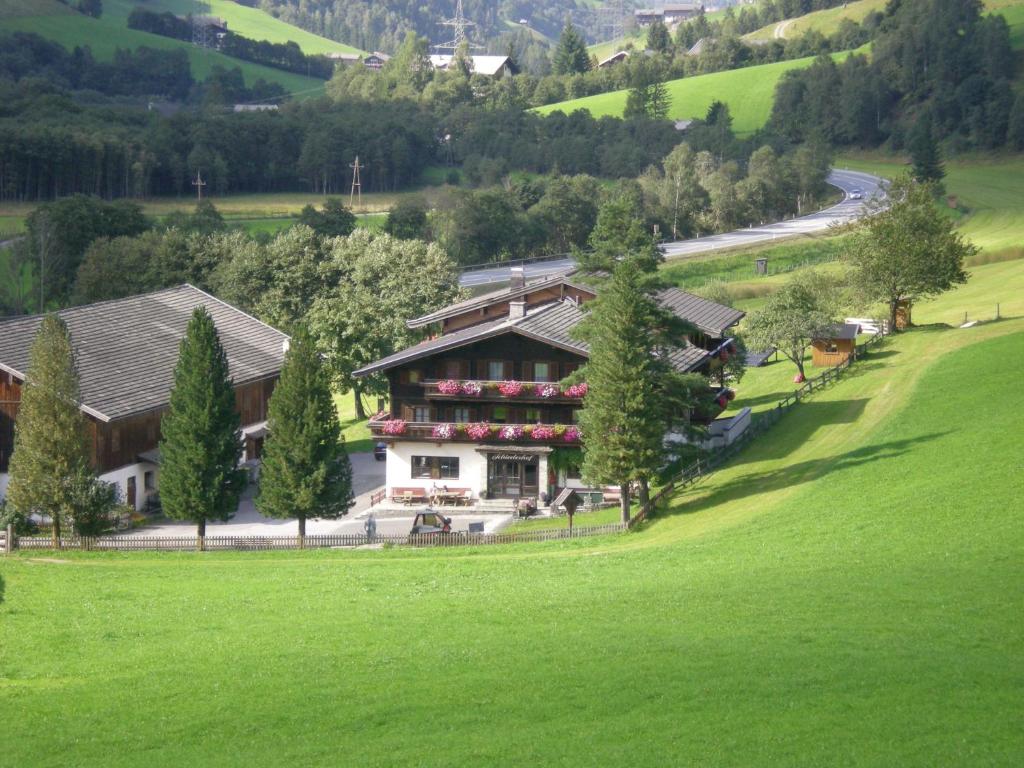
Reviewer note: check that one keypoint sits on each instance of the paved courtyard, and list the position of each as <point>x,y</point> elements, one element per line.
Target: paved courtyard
<point>367,477</point>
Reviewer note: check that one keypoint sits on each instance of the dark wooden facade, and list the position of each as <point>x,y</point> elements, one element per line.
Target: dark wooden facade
<point>118,443</point>
<point>414,397</point>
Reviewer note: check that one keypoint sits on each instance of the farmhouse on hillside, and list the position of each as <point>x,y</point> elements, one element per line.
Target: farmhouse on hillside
<point>478,407</point>
<point>126,351</point>
<point>489,66</point>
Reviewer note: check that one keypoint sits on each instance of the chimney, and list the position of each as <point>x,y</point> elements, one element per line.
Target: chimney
<point>518,278</point>
<point>516,309</point>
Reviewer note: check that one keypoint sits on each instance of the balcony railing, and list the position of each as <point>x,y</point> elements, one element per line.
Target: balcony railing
<point>522,391</point>
<point>476,432</point>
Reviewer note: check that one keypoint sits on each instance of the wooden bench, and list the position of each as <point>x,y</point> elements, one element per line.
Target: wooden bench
<point>454,496</point>
<point>408,495</point>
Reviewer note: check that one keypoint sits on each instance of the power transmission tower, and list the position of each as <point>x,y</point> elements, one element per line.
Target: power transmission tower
<point>459,25</point>
<point>611,20</point>
<point>198,183</point>
<point>357,183</point>
<point>202,34</point>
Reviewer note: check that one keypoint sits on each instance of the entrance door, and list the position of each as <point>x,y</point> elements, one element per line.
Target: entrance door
<point>130,501</point>
<point>512,478</point>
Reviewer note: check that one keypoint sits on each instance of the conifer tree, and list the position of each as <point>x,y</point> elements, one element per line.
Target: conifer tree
<point>201,445</point>
<point>50,465</point>
<point>925,153</point>
<point>625,413</point>
<point>571,55</point>
<point>306,471</point>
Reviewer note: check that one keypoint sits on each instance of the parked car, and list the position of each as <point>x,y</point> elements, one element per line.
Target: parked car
<point>380,451</point>
<point>431,522</point>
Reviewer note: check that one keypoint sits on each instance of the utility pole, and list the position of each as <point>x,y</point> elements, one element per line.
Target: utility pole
<point>459,25</point>
<point>198,183</point>
<point>611,20</point>
<point>357,184</point>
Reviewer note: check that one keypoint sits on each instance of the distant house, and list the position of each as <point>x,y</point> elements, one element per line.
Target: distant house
<point>490,66</point>
<point>698,48</point>
<point>677,12</point>
<point>615,58</point>
<point>255,108</point>
<point>683,125</point>
<point>126,351</point>
<point>644,17</point>
<point>835,346</point>
<point>344,58</point>
<point>376,60</point>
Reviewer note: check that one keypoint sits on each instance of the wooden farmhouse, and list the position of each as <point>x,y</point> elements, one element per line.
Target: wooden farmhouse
<point>478,407</point>
<point>836,346</point>
<point>126,351</point>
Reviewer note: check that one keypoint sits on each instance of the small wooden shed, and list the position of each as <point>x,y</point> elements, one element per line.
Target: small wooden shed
<point>835,346</point>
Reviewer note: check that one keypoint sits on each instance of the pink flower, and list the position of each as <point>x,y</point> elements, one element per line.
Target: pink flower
<point>471,388</point>
<point>393,427</point>
<point>511,432</point>
<point>577,390</point>
<point>448,387</point>
<point>479,431</point>
<point>572,435</point>
<point>543,432</point>
<point>546,390</point>
<point>510,388</point>
<point>444,431</point>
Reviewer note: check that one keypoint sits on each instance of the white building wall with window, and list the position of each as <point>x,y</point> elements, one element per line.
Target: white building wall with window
<point>472,466</point>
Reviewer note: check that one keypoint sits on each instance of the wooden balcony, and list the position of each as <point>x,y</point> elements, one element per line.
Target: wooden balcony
<point>501,434</point>
<point>490,391</point>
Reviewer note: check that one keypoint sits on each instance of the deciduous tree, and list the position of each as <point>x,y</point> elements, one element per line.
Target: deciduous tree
<point>909,250</point>
<point>305,471</point>
<point>200,479</point>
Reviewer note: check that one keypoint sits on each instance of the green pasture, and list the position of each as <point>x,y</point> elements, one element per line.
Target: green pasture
<point>749,92</point>
<point>847,591</point>
<point>243,20</point>
<point>105,35</point>
<point>826,21</point>
<point>991,188</point>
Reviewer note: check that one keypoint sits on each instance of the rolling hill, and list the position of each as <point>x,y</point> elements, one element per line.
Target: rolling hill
<point>748,92</point>
<point>105,35</point>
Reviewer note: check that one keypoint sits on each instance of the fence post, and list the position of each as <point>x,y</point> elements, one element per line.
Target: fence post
<point>9,541</point>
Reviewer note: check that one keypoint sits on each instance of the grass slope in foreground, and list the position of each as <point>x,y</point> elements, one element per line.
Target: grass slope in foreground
<point>105,35</point>
<point>848,593</point>
<point>749,92</point>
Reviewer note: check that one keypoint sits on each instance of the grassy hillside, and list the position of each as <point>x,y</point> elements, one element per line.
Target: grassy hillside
<point>990,188</point>
<point>749,92</point>
<point>826,21</point>
<point>847,592</point>
<point>248,22</point>
<point>52,20</point>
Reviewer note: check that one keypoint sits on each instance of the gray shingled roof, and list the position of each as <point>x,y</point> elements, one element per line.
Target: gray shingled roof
<point>127,349</point>
<point>844,331</point>
<point>712,318</point>
<point>550,323</point>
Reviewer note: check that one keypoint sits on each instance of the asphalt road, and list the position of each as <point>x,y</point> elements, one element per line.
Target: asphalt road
<point>841,213</point>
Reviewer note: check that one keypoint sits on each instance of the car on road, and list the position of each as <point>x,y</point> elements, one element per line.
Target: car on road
<point>430,522</point>
<point>856,194</point>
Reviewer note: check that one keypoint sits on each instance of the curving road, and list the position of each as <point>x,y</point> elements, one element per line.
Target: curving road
<point>841,213</point>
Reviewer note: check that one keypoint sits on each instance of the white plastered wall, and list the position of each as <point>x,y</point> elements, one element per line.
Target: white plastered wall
<point>119,477</point>
<point>472,466</point>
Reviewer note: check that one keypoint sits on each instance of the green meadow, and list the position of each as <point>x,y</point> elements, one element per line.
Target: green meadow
<point>749,92</point>
<point>105,35</point>
<point>846,592</point>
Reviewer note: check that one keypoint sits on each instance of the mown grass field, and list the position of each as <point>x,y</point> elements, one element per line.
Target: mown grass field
<point>105,35</point>
<point>847,592</point>
<point>749,92</point>
<point>249,22</point>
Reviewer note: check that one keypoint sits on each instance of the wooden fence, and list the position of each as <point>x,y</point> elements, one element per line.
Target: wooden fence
<point>765,421</point>
<point>320,541</point>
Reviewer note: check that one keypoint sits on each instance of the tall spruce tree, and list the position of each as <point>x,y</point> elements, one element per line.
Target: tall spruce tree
<point>201,446</point>
<point>306,472</point>
<point>49,469</point>
<point>925,153</point>
<point>571,55</point>
<point>623,419</point>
